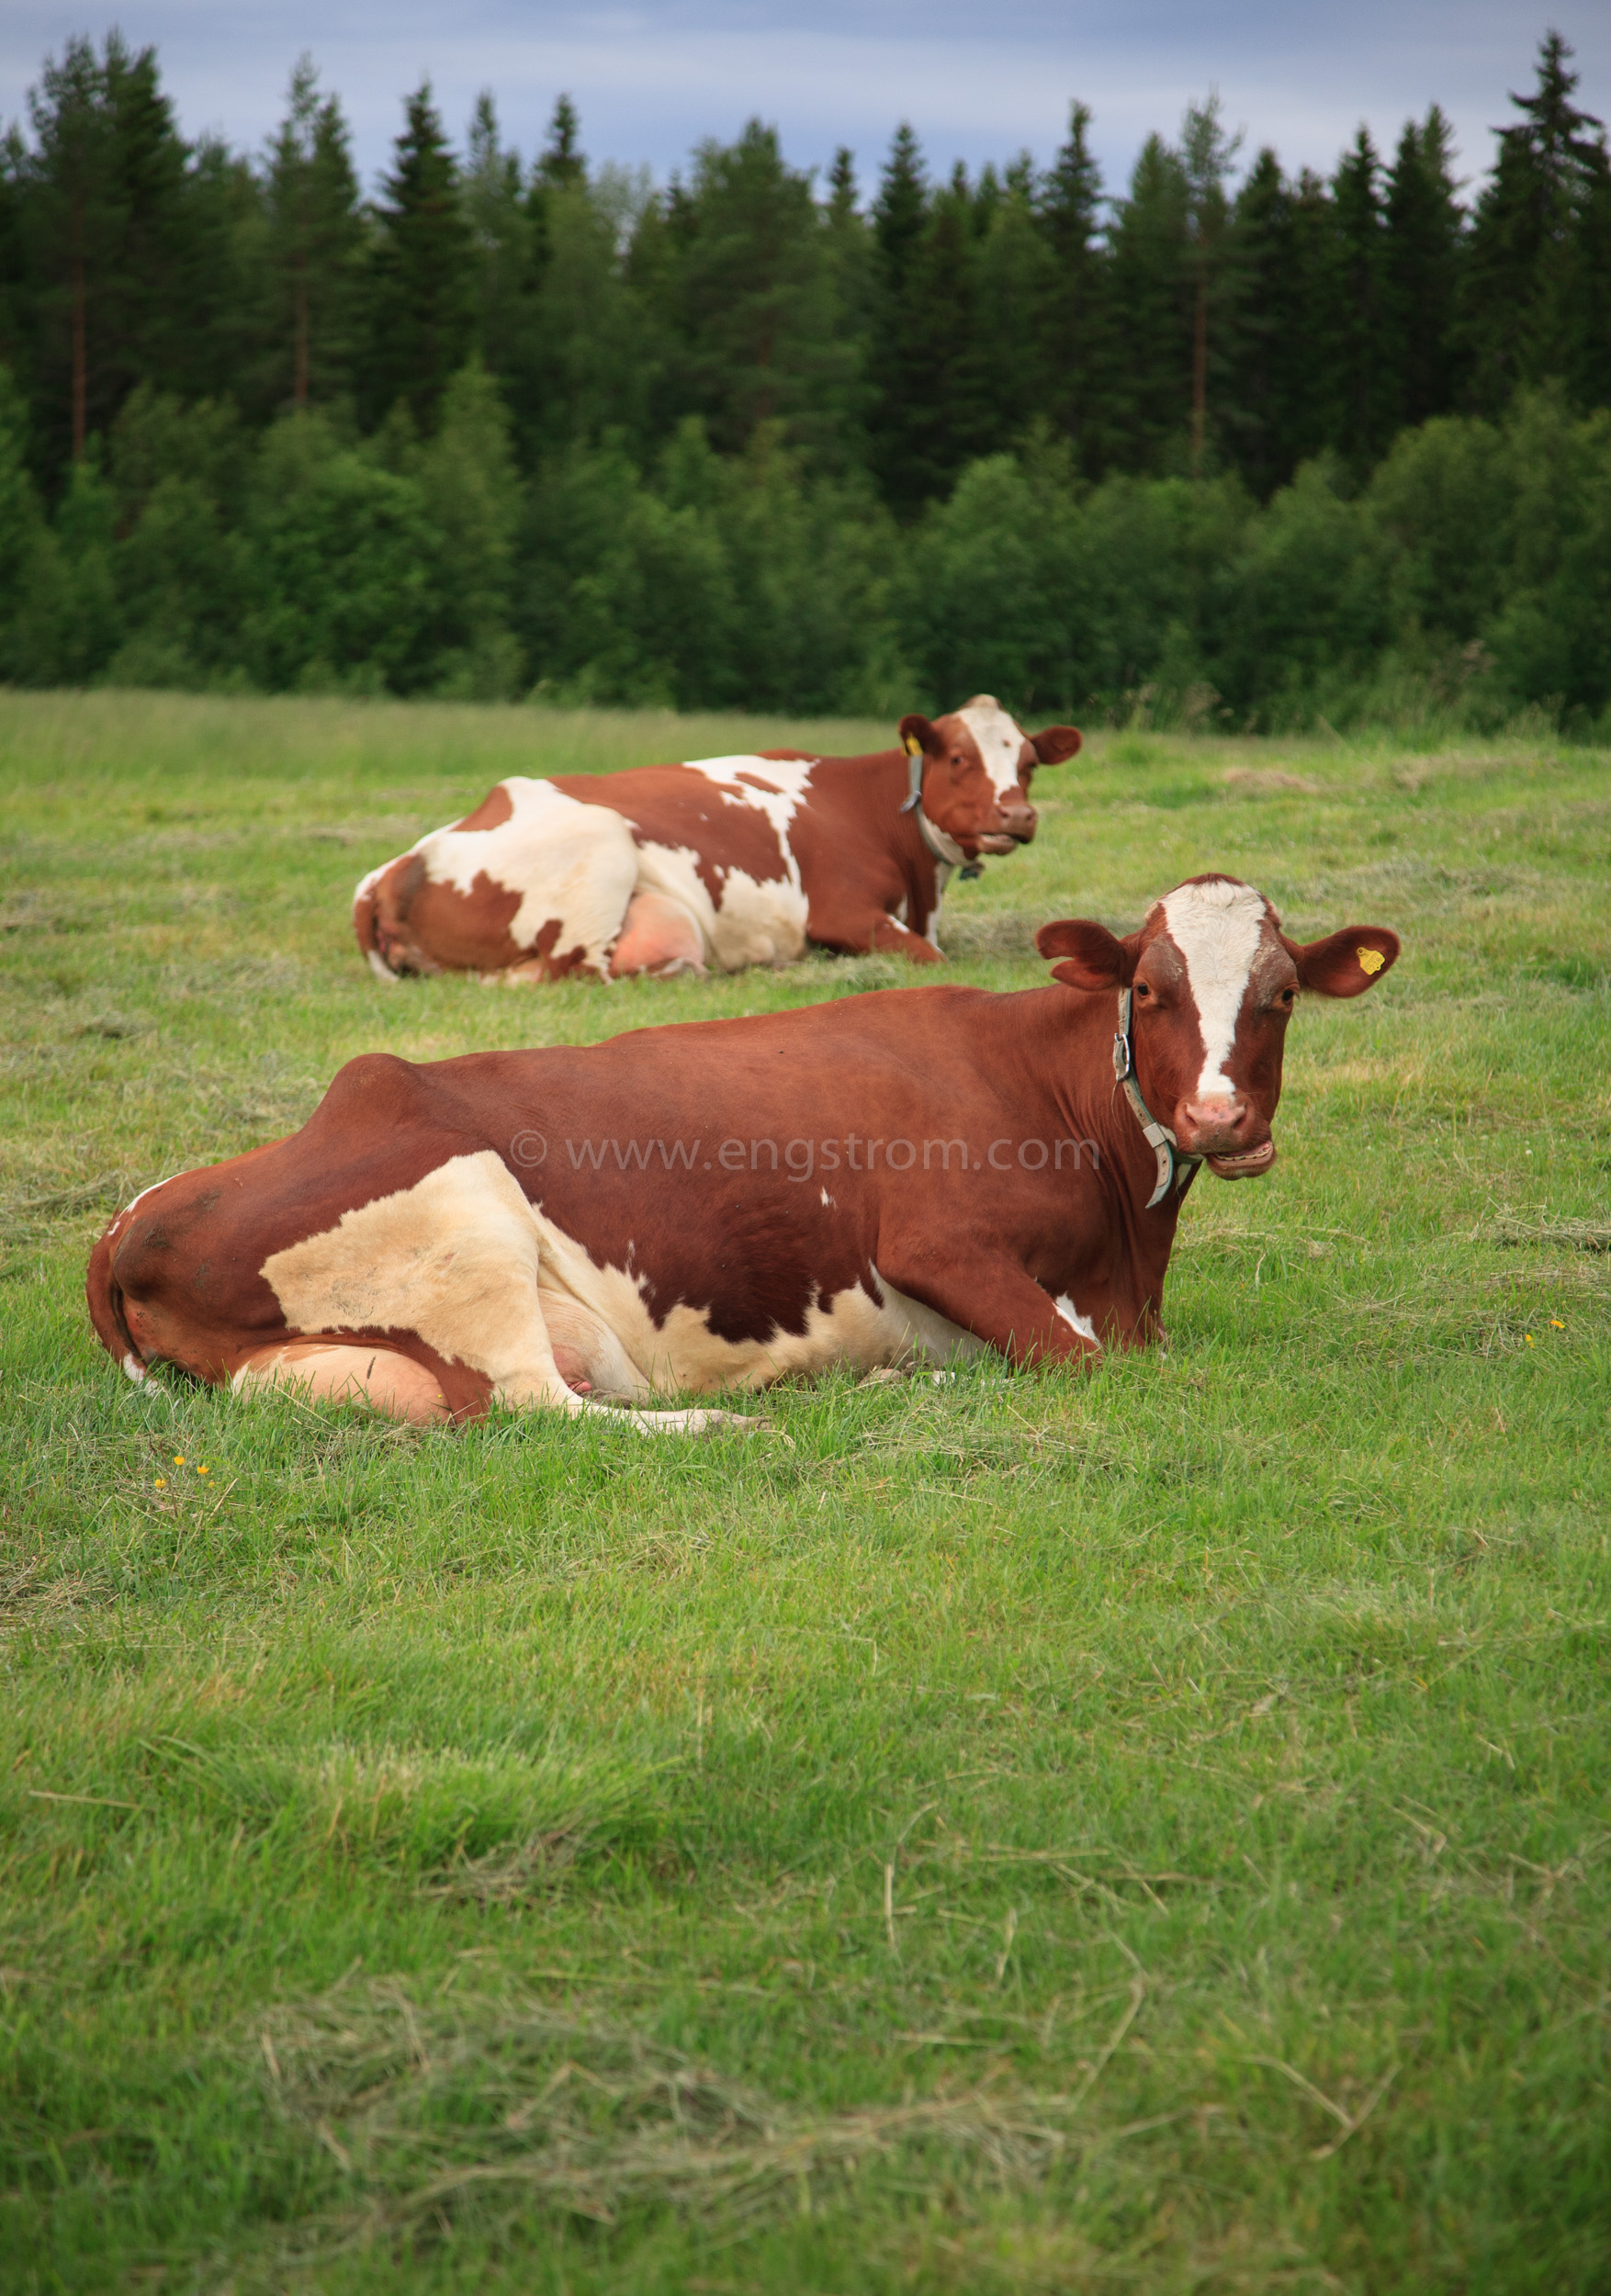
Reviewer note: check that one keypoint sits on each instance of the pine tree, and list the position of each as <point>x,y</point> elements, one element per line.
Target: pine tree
<point>110,226</point>
<point>1075,323</point>
<point>1521,319</point>
<point>423,313</point>
<point>314,247</point>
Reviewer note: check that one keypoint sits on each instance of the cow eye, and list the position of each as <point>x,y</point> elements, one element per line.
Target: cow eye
<point>1141,989</point>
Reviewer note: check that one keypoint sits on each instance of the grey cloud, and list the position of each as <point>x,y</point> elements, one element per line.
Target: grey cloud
<point>977,83</point>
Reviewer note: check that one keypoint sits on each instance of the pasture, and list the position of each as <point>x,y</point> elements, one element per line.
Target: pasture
<point>1147,1832</point>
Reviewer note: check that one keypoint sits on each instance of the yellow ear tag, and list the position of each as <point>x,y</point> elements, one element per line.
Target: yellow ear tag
<point>1370,960</point>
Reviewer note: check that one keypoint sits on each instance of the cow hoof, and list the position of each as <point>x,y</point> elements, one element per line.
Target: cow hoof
<point>886,1375</point>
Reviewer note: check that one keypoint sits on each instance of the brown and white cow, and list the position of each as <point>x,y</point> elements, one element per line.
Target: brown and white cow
<point>685,1208</point>
<point>720,862</point>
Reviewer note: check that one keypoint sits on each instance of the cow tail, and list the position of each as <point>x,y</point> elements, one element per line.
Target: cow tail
<point>367,923</point>
<point>105,1295</point>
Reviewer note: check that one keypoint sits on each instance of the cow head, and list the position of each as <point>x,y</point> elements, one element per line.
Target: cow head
<point>976,767</point>
<point>1213,981</point>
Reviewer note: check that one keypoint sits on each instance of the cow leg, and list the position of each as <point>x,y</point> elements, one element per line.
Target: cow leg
<point>329,1371</point>
<point>1000,1303</point>
<point>454,1260</point>
<point>658,935</point>
<point>890,936</point>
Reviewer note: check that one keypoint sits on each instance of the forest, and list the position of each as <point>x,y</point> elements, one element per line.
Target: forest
<point>1226,447</point>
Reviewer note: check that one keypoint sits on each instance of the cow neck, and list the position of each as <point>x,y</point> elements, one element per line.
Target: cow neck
<point>1175,1171</point>
<point>944,848</point>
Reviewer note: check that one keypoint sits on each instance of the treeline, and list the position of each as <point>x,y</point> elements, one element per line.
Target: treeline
<point>754,440</point>
<point>1179,326</point>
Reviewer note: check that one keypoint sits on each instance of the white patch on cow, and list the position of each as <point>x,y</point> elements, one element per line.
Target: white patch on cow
<point>828,1200</point>
<point>758,921</point>
<point>1217,928</point>
<point>381,970</point>
<point>568,862</point>
<point>1075,1320</point>
<point>1000,741</point>
<point>463,1261</point>
<point>134,1369</point>
<point>787,780</point>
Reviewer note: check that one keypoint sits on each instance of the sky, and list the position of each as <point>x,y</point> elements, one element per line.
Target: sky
<point>977,83</point>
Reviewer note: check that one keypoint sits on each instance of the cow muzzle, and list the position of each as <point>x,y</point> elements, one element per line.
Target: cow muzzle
<point>1016,827</point>
<point>1225,1133</point>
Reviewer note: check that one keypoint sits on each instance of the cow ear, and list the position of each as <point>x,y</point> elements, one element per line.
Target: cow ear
<point>1096,960</point>
<point>1345,963</point>
<point>1055,743</point>
<point>918,729</point>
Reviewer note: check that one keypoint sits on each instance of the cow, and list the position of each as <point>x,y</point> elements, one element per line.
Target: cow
<point>920,1172</point>
<point>720,862</point>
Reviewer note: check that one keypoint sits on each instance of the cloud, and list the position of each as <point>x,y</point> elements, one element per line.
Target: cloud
<point>653,80</point>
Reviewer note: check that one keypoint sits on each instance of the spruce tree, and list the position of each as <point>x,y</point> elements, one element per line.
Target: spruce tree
<point>1075,321</point>
<point>753,297</point>
<point>562,165</point>
<point>1267,366</point>
<point>1153,287</point>
<point>900,417</point>
<point>1421,271</point>
<point>1207,156</point>
<point>1015,278</point>
<point>422,308</point>
<point>1522,319</point>
<point>1361,421</point>
<point>313,249</point>
<point>496,208</point>
<point>853,259</point>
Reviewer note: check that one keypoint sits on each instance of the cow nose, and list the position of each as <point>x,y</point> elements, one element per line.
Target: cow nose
<point>1018,821</point>
<point>1214,1127</point>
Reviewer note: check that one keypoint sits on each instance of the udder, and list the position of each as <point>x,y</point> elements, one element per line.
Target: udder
<point>658,935</point>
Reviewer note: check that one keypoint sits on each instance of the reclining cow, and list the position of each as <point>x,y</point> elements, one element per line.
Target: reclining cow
<point>723,861</point>
<point>719,1204</point>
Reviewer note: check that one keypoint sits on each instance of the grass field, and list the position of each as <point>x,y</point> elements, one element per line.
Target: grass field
<point>1147,1832</point>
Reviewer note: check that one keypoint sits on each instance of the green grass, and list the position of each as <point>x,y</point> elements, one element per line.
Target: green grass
<point>1149,1831</point>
